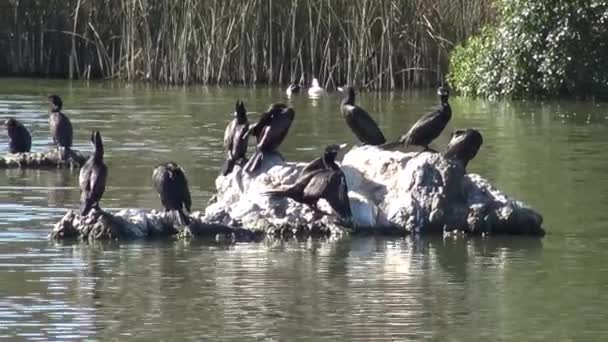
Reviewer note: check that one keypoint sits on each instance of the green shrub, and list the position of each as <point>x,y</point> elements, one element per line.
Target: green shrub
<point>537,48</point>
<point>465,62</point>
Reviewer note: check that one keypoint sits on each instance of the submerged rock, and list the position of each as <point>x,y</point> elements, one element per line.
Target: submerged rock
<point>390,192</point>
<point>134,224</point>
<point>43,160</point>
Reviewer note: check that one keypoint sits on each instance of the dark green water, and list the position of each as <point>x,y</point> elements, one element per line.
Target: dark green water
<point>551,155</point>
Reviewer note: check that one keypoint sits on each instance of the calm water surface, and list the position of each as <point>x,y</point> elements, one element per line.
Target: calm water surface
<point>551,155</point>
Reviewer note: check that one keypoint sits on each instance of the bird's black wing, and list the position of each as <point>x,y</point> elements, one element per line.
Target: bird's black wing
<point>22,140</point>
<point>229,134</point>
<point>27,140</point>
<point>296,190</point>
<point>363,126</point>
<point>315,165</point>
<point>318,184</point>
<point>53,126</point>
<point>85,175</point>
<point>158,178</point>
<point>239,142</point>
<point>336,194</point>
<point>181,185</point>
<point>256,129</point>
<point>456,145</point>
<point>464,145</point>
<point>69,132</point>
<point>97,182</point>
<point>61,129</point>
<point>275,133</point>
<point>420,127</point>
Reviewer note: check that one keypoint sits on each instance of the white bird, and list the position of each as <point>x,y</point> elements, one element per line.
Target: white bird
<point>315,89</point>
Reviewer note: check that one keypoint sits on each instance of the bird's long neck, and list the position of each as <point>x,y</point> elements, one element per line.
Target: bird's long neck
<point>11,131</point>
<point>98,152</point>
<point>329,161</point>
<point>443,100</point>
<point>349,99</point>
<point>241,117</point>
<point>446,110</point>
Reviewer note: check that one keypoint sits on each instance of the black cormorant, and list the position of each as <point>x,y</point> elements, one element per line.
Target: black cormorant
<point>429,126</point>
<point>172,186</point>
<point>60,125</point>
<point>317,163</point>
<point>234,142</point>
<point>20,139</point>
<point>270,131</point>
<point>464,146</point>
<point>359,121</point>
<point>93,177</point>
<point>327,182</point>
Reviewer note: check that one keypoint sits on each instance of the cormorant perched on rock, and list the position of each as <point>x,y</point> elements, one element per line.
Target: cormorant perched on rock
<point>234,142</point>
<point>172,186</point>
<point>464,145</point>
<point>270,131</point>
<point>318,163</point>
<point>93,177</point>
<point>328,183</point>
<point>20,139</point>
<point>359,121</point>
<point>429,126</point>
<point>60,125</point>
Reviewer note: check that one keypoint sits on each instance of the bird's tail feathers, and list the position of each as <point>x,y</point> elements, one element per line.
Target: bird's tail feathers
<point>391,145</point>
<point>178,218</point>
<point>228,166</point>
<point>64,153</point>
<point>275,192</point>
<point>254,163</point>
<point>85,207</point>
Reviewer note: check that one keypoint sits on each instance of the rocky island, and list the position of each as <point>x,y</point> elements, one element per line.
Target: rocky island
<point>390,192</point>
<point>50,159</point>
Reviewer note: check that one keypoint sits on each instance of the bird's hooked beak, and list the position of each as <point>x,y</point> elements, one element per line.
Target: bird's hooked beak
<point>340,89</point>
<point>342,146</point>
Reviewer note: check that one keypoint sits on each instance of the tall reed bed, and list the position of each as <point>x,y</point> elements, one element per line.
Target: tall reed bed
<point>378,44</point>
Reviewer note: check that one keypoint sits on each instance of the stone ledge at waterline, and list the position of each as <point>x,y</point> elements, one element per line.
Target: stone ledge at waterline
<point>390,192</point>
<point>43,160</point>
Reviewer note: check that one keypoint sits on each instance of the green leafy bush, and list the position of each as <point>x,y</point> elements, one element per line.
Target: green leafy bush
<point>537,48</point>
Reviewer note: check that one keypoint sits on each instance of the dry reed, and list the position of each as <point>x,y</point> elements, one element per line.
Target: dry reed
<point>377,44</point>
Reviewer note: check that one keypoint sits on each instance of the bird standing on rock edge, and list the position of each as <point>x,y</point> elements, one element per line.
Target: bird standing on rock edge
<point>60,126</point>
<point>359,121</point>
<point>429,126</point>
<point>20,139</point>
<point>464,146</point>
<point>327,182</point>
<point>93,176</point>
<point>234,142</point>
<point>172,186</point>
<point>270,131</point>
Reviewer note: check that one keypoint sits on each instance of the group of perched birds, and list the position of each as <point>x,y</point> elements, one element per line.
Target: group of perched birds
<point>322,178</point>
<point>168,179</point>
